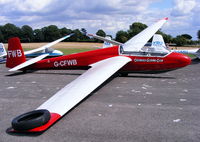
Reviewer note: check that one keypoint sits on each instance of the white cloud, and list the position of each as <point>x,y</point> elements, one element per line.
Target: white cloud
<point>183,7</point>
<point>110,15</point>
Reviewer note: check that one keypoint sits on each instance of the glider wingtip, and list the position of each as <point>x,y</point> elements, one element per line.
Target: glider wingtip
<point>166,18</point>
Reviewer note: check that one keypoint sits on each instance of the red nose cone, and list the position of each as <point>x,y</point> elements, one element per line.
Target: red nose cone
<point>185,60</point>
<point>181,59</point>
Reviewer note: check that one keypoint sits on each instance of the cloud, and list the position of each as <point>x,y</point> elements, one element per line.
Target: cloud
<point>183,7</point>
<point>110,15</point>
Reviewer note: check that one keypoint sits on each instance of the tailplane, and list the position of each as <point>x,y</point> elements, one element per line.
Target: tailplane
<point>15,54</point>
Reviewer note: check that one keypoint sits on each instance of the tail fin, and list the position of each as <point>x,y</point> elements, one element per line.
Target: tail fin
<point>2,50</point>
<point>158,44</point>
<point>15,55</point>
<point>107,44</point>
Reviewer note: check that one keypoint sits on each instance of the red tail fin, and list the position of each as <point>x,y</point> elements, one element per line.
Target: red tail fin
<point>15,55</point>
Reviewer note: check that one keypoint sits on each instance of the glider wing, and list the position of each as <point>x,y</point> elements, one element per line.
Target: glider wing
<point>138,41</point>
<point>68,97</point>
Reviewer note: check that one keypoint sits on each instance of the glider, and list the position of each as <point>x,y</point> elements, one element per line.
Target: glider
<point>100,64</point>
<point>159,45</point>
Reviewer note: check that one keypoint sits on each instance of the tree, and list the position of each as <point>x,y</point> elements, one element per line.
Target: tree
<point>136,28</point>
<point>100,33</point>
<point>187,36</point>
<point>78,36</point>
<point>38,35</point>
<point>64,31</point>
<point>180,41</point>
<point>122,36</point>
<point>27,33</point>
<point>10,30</point>
<point>198,34</point>
<point>84,32</point>
<point>51,33</point>
<point>1,35</point>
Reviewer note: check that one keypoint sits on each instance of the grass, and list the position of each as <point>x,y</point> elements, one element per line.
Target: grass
<point>191,56</point>
<point>71,50</point>
<point>67,51</point>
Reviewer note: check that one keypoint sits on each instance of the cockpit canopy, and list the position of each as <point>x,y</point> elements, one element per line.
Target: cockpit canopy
<point>146,51</point>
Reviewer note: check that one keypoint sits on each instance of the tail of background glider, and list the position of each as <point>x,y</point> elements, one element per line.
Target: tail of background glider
<point>107,44</point>
<point>15,54</point>
<point>158,44</point>
<point>2,50</point>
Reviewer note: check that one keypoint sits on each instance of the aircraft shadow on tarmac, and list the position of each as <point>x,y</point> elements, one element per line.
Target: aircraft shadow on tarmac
<point>19,73</point>
<point>35,72</point>
<point>146,76</point>
<point>9,131</point>
<point>77,74</point>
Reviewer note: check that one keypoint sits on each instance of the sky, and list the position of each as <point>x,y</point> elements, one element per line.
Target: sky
<point>109,15</point>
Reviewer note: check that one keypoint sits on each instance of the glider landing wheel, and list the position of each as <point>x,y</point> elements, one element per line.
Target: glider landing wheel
<point>31,120</point>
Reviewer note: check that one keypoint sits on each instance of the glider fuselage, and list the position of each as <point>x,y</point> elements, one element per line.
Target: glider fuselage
<point>145,63</point>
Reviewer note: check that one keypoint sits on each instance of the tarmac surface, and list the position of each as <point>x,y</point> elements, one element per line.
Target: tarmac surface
<point>138,108</point>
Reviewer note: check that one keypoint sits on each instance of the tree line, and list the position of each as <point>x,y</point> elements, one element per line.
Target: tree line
<point>52,32</point>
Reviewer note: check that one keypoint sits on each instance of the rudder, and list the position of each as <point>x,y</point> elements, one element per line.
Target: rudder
<point>15,54</point>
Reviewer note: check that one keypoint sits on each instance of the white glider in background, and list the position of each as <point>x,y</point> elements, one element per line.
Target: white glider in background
<point>158,44</point>
<point>195,52</point>
<point>2,53</point>
<point>2,50</point>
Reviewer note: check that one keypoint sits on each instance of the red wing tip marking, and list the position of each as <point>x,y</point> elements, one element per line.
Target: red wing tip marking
<point>166,18</point>
<point>53,119</point>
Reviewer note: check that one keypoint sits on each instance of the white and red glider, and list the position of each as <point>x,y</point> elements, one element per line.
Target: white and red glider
<point>100,64</point>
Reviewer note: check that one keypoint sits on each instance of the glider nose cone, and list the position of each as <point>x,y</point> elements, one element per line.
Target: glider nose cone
<point>184,60</point>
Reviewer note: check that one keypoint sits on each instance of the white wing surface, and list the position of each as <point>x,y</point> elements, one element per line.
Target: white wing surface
<point>29,62</point>
<point>77,90</point>
<point>138,41</point>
